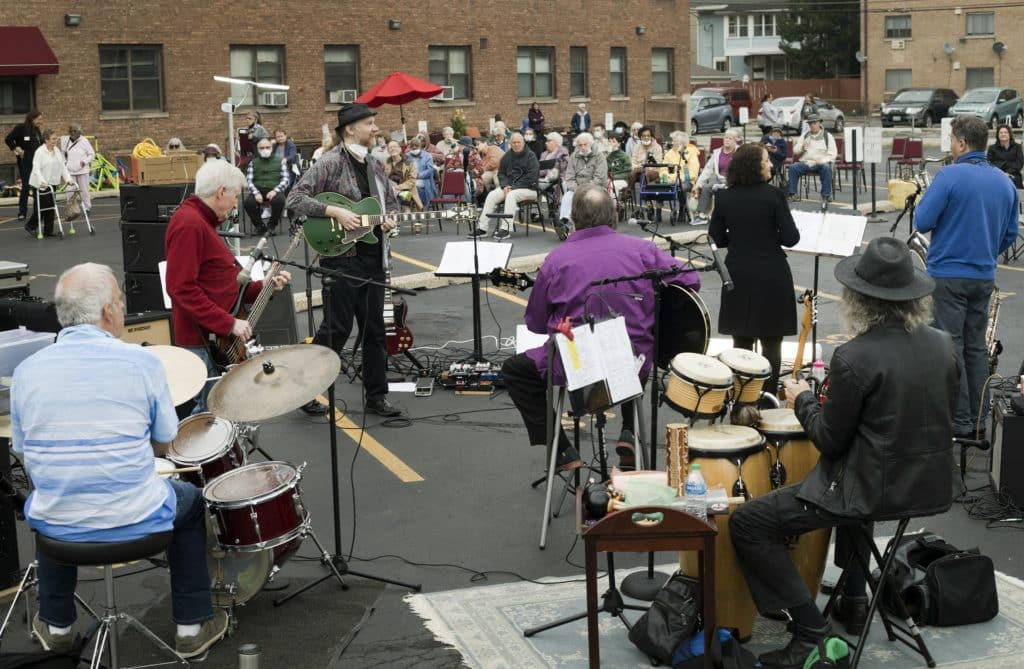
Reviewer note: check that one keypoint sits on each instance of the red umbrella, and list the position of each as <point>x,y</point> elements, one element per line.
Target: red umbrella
<point>396,89</point>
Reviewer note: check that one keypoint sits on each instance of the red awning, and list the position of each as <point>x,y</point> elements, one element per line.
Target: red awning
<point>24,51</point>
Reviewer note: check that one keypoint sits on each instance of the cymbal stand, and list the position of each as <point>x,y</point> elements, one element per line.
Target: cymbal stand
<point>336,562</point>
<point>251,433</point>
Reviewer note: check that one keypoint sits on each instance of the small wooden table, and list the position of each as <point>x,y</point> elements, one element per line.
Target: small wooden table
<point>678,531</point>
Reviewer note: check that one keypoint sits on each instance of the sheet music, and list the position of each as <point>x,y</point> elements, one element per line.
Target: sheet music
<point>603,354</point>
<point>581,358</point>
<point>527,339</point>
<point>457,259</point>
<point>829,234</point>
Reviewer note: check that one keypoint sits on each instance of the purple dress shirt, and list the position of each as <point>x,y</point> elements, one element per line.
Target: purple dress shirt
<point>563,288</point>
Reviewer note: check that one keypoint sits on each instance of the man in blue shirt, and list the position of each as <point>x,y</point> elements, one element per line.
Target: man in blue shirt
<point>92,461</point>
<point>971,209</point>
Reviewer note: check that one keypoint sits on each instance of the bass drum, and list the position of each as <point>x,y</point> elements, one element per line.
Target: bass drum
<point>683,325</point>
<point>235,575</point>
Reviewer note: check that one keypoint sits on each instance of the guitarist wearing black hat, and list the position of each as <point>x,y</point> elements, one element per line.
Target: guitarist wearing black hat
<point>351,171</point>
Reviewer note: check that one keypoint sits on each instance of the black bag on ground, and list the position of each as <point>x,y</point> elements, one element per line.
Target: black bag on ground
<point>727,655</point>
<point>941,584</point>
<point>671,619</point>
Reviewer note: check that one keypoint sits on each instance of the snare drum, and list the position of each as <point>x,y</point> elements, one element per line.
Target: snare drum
<point>749,372</point>
<point>258,507</point>
<point>731,457</point>
<point>207,442</point>
<point>697,385</point>
<point>794,458</point>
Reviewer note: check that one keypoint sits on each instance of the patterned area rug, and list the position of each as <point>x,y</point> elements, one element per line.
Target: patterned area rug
<point>486,624</point>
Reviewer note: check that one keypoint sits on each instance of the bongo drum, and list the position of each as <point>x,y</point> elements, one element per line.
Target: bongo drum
<point>698,385</point>
<point>749,372</point>
<point>794,456</point>
<point>731,457</point>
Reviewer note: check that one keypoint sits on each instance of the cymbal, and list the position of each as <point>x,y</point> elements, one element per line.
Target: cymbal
<point>186,371</point>
<point>274,382</point>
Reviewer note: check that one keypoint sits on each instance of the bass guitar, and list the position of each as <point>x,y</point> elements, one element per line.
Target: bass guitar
<point>396,311</point>
<point>329,238</point>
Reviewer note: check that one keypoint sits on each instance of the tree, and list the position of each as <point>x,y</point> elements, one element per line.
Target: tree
<point>820,40</point>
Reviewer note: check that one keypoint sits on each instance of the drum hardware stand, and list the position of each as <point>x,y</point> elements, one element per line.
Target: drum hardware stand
<point>336,562</point>
<point>251,433</point>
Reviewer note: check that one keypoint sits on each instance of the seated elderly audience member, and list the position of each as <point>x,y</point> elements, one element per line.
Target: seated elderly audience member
<point>713,176</point>
<point>447,143</point>
<point>600,138</point>
<point>285,148</point>
<point>533,142</point>
<point>402,173</point>
<point>585,166</point>
<point>682,161</point>
<point>267,177</point>
<point>499,136</point>
<point>491,155</point>
<point>778,151</point>
<point>554,150</point>
<point>1006,154</point>
<point>92,462</point>
<point>425,172</point>
<point>873,422</point>
<point>619,164</point>
<point>633,140</point>
<point>646,152</point>
<point>517,181</point>
<point>457,160</point>
<point>814,153</point>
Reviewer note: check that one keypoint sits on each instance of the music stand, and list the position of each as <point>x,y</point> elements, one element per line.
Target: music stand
<point>474,259</point>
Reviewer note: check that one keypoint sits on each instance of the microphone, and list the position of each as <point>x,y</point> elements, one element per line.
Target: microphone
<point>720,267</point>
<point>246,274</point>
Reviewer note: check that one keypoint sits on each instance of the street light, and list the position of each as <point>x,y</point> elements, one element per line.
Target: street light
<point>229,107</point>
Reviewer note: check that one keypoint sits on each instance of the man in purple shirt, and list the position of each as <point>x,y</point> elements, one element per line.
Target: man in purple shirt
<point>593,252</point>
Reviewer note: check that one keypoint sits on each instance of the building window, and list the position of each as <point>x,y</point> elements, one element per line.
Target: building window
<point>764,25</point>
<point>17,95</point>
<point>897,27</point>
<point>264,64</point>
<point>131,78</point>
<point>721,64</point>
<point>617,72</point>
<point>897,79</point>
<point>449,66</point>
<point>341,69</point>
<point>535,72</point>
<point>979,76</point>
<point>662,70</point>
<point>738,26</point>
<point>578,71</point>
<point>981,23</point>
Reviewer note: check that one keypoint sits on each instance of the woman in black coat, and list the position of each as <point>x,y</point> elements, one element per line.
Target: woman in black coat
<point>23,140</point>
<point>1006,154</point>
<point>752,219</point>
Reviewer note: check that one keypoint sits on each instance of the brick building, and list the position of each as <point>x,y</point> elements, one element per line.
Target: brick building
<point>945,45</point>
<point>129,70</point>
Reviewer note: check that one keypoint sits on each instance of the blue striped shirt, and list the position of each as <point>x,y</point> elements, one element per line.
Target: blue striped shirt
<point>83,412</point>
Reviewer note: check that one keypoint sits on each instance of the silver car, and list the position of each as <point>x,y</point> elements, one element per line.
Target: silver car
<point>709,112</point>
<point>791,111</point>
<point>992,105</point>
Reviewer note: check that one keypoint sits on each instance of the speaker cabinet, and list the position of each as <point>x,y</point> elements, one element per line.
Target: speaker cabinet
<point>1008,450</point>
<point>152,203</point>
<point>150,328</point>
<point>142,292</point>
<point>142,245</point>
<point>276,327</point>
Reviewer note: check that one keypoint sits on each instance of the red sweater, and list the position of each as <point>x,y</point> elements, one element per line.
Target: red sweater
<point>201,273</point>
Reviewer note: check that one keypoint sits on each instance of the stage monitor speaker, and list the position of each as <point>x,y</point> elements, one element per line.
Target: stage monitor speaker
<point>150,328</point>
<point>34,313</point>
<point>142,292</point>
<point>152,203</point>
<point>142,245</point>
<point>276,327</point>
<point>1007,450</point>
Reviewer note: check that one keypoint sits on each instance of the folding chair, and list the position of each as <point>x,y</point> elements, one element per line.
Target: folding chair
<point>841,165</point>
<point>899,146</point>
<point>716,142</point>
<point>453,192</point>
<point>913,155</point>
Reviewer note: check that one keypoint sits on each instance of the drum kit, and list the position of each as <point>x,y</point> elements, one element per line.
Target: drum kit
<point>256,517</point>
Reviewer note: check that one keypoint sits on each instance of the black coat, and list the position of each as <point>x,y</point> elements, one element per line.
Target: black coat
<point>28,139</point>
<point>754,222</point>
<point>885,432</point>
<point>1009,160</point>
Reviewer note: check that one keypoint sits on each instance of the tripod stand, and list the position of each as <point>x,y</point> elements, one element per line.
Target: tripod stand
<point>336,562</point>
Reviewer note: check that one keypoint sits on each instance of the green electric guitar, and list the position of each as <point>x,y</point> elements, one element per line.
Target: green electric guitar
<point>329,238</point>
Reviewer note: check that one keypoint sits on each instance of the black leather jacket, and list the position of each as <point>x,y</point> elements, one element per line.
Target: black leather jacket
<point>885,432</point>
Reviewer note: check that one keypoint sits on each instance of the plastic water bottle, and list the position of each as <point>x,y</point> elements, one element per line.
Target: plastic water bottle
<point>818,371</point>
<point>696,493</point>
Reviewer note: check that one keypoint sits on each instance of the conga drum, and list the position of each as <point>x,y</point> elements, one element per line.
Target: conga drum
<point>793,458</point>
<point>731,457</point>
<point>698,385</point>
<point>749,373</point>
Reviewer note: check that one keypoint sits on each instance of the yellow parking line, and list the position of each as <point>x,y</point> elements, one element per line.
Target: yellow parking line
<point>413,261</point>
<point>391,462</point>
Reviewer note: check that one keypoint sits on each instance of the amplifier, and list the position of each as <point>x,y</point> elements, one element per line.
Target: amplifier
<point>150,328</point>
<point>152,203</point>
<point>10,564</point>
<point>34,313</point>
<point>1007,450</point>
<point>14,279</point>
<point>142,245</point>
<point>276,326</point>
<point>142,292</point>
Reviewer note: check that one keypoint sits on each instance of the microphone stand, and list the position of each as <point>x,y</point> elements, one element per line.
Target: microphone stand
<point>336,562</point>
<point>674,245</point>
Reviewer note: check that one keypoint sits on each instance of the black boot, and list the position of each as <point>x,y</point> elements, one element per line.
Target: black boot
<point>793,656</point>
<point>852,612</point>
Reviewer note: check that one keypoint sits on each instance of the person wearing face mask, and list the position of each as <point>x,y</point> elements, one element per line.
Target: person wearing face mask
<point>586,166</point>
<point>532,142</point>
<point>402,174</point>
<point>646,152</point>
<point>353,172</point>
<point>713,176</point>
<point>600,139</point>
<point>423,164</point>
<point>78,156</point>
<point>267,178</point>
<point>201,270</point>
<point>634,137</point>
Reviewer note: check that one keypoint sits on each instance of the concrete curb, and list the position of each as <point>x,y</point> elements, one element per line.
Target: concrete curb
<point>8,201</point>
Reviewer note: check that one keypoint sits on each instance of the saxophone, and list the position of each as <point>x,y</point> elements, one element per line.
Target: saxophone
<point>993,345</point>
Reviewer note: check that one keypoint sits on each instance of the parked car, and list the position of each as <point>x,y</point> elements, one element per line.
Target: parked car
<point>918,106</point>
<point>709,112</point>
<point>791,110</point>
<point>736,97</point>
<point>992,105</point>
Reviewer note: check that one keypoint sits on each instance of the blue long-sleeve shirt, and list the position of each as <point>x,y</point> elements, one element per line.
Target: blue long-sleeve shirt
<point>971,209</point>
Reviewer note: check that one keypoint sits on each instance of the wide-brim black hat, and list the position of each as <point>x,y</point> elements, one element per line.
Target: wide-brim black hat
<point>352,112</point>
<point>885,271</point>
